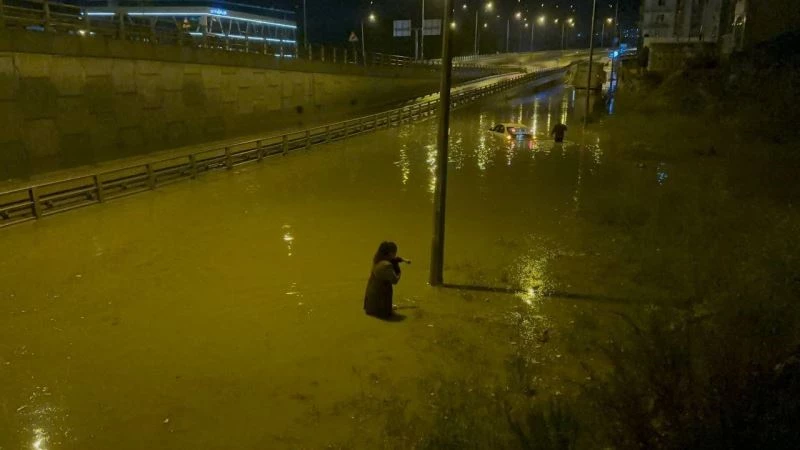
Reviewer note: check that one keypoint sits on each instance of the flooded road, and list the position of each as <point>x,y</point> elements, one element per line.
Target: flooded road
<point>226,312</point>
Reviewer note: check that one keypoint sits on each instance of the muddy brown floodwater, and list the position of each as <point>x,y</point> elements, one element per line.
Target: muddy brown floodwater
<point>226,312</point>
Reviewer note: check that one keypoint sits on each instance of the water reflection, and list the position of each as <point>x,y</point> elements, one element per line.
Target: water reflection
<point>288,238</point>
<point>503,199</point>
<point>430,159</point>
<point>404,164</point>
<point>661,173</point>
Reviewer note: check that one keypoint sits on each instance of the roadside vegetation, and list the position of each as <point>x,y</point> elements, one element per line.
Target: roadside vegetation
<point>707,354</point>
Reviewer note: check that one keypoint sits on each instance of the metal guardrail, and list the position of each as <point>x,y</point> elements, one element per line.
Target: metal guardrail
<point>42,200</point>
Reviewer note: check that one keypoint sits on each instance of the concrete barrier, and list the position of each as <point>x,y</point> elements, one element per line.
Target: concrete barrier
<point>67,100</point>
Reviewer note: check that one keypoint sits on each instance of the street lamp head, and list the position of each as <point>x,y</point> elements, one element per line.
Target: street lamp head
<point>489,6</point>
<point>527,25</point>
<point>372,17</point>
<point>464,6</point>
<point>542,19</point>
<point>571,20</point>
<point>609,20</point>
<point>555,21</point>
<point>518,15</point>
<point>485,25</point>
<point>453,25</point>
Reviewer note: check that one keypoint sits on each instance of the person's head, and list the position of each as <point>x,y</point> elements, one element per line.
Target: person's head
<point>386,251</point>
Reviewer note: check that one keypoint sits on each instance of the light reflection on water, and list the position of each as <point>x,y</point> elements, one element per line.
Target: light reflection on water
<point>215,318</point>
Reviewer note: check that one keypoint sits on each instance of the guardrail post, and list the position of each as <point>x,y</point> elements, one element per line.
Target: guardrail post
<point>47,25</point>
<point>86,18</point>
<point>285,144</point>
<point>259,151</point>
<point>98,187</point>
<point>228,158</point>
<point>121,26</point>
<point>151,177</point>
<point>34,197</point>
<point>327,133</point>
<point>193,166</point>
<point>322,53</point>
<point>308,138</point>
<point>334,54</point>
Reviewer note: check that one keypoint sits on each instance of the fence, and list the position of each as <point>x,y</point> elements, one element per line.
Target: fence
<point>35,202</point>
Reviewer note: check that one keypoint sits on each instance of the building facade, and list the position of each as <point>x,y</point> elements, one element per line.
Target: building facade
<point>681,20</point>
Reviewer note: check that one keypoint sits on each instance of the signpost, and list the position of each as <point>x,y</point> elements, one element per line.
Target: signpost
<point>353,39</point>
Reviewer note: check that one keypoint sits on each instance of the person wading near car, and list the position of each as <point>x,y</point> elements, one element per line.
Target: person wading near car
<point>384,275</point>
<point>558,132</point>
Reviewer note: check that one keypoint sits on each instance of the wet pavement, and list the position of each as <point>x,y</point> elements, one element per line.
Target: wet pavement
<point>226,312</point>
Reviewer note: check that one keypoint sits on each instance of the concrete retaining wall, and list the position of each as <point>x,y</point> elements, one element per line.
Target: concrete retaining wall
<point>671,56</point>
<point>67,101</point>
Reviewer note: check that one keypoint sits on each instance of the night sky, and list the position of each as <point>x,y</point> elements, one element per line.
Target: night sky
<point>330,21</point>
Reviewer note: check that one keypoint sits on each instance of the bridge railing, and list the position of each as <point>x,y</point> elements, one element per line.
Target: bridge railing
<point>41,200</point>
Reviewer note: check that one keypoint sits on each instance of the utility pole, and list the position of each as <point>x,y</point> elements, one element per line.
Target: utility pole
<point>440,193</point>
<point>591,60</point>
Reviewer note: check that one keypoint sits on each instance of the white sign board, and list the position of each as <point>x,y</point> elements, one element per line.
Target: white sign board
<point>432,27</point>
<point>402,28</point>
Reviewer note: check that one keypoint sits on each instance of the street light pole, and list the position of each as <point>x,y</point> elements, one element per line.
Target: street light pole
<point>363,44</point>
<point>422,34</point>
<point>475,52</point>
<point>609,21</point>
<point>305,26</point>
<point>440,192</point>
<point>591,60</point>
<point>616,24</point>
<point>508,33</point>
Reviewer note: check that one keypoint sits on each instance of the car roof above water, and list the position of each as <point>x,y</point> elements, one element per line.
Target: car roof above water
<point>513,125</point>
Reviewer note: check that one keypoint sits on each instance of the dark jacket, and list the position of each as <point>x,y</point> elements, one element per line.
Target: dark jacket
<point>378,298</point>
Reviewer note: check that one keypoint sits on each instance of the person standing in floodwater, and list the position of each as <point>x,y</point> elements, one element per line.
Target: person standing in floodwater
<point>384,275</point>
<point>558,132</point>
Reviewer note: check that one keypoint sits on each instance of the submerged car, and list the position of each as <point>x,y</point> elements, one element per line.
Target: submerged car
<point>511,131</point>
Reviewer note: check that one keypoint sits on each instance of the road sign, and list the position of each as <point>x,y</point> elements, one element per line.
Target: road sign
<point>353,37</point>
<point>402,28</point>
<point>432,27</point>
